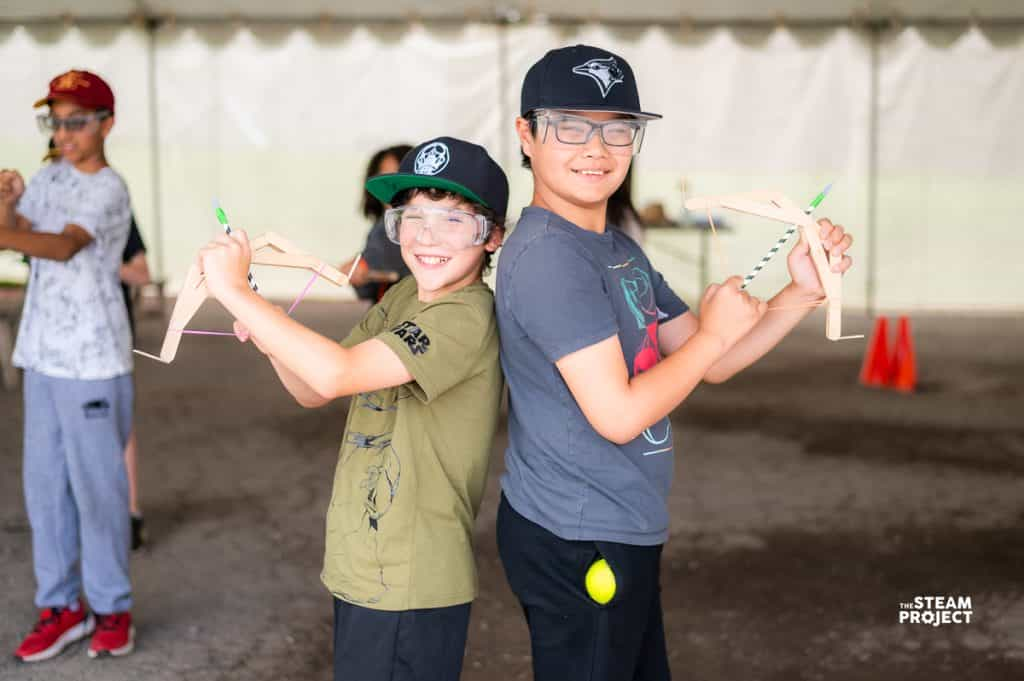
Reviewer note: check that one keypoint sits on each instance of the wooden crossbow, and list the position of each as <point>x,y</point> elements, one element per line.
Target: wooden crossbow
<point>776,206</point>
<point>269,249</point>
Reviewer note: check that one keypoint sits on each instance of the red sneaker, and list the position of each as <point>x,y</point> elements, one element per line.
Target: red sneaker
<point>56,629</point>
<point>114,635</point>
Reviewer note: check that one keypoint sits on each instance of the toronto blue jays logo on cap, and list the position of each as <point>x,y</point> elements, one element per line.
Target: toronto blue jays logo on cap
<point>432,159</point>
<point>605,72</point>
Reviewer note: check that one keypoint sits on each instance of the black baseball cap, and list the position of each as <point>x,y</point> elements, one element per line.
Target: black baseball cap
<point>451,164</point>
<point>582,78</point>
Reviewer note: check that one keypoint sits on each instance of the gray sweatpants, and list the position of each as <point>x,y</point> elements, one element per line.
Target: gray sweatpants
<point>76,489</point>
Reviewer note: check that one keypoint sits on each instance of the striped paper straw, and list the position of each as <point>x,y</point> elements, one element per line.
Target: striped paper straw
<point>785,237</point>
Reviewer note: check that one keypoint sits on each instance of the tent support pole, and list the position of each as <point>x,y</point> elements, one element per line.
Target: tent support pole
<point>154,146</point>
<point>503,87</point>
<point>871,280</point>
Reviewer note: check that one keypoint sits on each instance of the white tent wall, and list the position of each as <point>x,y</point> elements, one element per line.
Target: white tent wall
<point>278,121</point>
<point>951,170</point>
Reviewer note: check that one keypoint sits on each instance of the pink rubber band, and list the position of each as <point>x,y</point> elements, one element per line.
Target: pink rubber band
<point>291,309</point>
<point>309,285</point>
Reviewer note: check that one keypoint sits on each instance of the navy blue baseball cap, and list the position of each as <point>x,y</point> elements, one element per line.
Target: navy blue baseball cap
<point>450,164</point>
<point>582,78</point>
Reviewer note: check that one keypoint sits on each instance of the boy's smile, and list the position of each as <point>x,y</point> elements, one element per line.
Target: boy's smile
<point>430,260</point>
<point>588,173</point>
<point>592,174</point>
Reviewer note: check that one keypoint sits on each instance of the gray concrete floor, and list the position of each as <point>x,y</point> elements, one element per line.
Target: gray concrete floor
<point>805,510</point>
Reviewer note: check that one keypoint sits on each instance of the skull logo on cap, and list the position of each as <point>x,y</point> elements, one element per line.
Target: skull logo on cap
<point>432,159</point>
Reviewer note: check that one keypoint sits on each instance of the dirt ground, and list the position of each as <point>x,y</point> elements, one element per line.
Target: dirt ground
<point>805,511</point>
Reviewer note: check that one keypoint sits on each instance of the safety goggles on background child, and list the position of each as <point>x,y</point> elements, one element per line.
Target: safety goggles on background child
<point>49,123</point>
<point>456,229</point>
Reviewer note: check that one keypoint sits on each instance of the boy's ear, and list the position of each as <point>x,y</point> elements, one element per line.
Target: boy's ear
<point>105,125</point>
<point>495,239</point>
<point>526,140</point>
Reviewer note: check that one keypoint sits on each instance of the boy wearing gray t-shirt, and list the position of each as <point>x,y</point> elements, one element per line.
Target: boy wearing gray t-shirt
<point>74,344</point>
<point>597,350</point>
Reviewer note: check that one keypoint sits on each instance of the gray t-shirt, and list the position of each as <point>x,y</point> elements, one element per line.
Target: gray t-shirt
<point>74,323</point>
<point>560,289</point>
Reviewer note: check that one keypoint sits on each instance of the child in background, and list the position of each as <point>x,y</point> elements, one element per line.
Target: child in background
<point>75,347</point>
<point>379,254</point>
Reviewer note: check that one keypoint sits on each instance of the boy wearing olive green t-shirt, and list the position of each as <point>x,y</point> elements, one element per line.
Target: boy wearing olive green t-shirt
<point>423,369</point>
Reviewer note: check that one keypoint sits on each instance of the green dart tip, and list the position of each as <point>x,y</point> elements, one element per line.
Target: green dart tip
<point>821,196</point>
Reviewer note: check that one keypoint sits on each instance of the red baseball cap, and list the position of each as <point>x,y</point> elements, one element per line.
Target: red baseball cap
<point>83,88</point>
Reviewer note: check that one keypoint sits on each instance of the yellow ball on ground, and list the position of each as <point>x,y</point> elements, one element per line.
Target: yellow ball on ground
<point>600,581</point>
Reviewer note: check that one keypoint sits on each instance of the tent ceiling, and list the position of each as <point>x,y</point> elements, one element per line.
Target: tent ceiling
<point>602,10</point>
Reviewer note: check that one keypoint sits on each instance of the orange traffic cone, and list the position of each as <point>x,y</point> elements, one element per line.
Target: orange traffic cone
<point>877,370</point>
<point>904,362</point>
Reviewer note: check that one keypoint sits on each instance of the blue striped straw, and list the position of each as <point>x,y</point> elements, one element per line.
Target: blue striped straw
<point>785,237</point>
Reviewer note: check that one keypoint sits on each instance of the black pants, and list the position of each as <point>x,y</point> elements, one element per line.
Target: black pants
<point>407,645</point>
<point>573,638</point>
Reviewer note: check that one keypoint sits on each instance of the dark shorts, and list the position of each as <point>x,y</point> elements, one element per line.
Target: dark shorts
<point>406,645</point>
<point>572,637</point>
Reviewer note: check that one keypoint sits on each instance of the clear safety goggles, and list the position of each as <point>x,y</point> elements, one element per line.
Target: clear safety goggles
<point>456,229</point>
<point>621,135</point>
<point>48,123</point>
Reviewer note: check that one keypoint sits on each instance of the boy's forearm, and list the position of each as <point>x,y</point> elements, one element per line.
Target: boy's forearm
<point>8,217</point>
<point>58,247</point>
<point>312,359</point>
<point>296,387</point>
<point>136,272</point>
<point>653,394</point>
<point>768,332</point>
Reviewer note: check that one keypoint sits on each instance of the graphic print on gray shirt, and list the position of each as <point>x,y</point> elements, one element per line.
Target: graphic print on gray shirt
<point>74,323</point>
<point>561,288</point>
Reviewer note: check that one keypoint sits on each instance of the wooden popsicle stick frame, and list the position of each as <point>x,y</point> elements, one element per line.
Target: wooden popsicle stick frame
<point>269,249</point>
<point>777,206</point>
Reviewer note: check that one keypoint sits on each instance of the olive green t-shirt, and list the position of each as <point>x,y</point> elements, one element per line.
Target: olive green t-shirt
<point>413,462</point>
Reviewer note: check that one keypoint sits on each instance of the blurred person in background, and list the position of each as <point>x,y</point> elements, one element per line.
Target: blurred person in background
<point>134,273</point>
<point>380,256</point>
<point>74,343</point>
<point>622,214</point>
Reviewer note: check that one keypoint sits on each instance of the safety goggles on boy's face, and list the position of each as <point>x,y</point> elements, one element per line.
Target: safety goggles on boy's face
<point>450,227</point>
<point>622,136</point>
<point>49,123</point>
